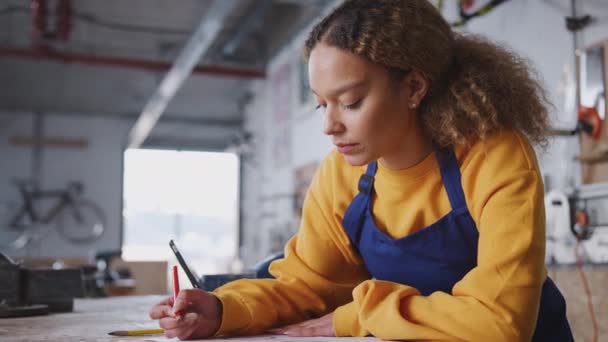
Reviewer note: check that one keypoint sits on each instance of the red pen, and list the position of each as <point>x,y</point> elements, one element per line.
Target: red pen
<point>176,289</point>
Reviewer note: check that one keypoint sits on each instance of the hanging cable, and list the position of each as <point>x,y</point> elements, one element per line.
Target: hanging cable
<point>581,272</point>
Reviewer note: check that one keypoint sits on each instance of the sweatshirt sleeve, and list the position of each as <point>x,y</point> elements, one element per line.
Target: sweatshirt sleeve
<point>317,275</point>
<point>498,300</point>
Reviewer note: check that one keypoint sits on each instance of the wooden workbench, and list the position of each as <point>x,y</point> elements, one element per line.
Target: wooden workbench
<point>92,319</point>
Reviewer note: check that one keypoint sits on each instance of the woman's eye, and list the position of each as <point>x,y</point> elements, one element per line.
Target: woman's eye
<point>353,105</point>
<point>319,107</point>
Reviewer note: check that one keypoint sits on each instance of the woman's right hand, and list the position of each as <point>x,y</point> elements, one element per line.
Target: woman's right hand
<point>201,315</point>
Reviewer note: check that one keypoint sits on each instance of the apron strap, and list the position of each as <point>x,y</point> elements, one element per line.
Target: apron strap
<point>366,181</point>
<point>450,174</point>
<point>355,214</point>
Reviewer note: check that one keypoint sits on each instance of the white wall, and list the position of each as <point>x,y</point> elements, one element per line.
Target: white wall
<point>98,167</point>
<point>269,189</point>
<point>534,29</point>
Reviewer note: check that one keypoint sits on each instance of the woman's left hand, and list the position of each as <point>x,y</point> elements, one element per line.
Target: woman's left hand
<point>315,327</point>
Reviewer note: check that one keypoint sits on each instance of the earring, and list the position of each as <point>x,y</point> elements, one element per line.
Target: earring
<point>412,105</point>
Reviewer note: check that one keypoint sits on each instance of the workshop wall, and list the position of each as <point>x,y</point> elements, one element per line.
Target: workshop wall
<point>98,166</point>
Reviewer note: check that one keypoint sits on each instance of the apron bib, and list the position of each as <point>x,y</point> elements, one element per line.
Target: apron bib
<point>438,256</point>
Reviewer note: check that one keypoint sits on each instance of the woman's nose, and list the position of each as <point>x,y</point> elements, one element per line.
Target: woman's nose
<point>331,123</point>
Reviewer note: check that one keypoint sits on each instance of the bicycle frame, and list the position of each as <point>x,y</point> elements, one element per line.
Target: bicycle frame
<point>28,209</point>
<point>75,218</point>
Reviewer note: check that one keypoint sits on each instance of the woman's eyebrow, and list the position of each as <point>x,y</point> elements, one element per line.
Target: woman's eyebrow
<point>343,88</point>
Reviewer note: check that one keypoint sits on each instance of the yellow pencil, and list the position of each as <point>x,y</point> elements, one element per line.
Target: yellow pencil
<point>137,332</point>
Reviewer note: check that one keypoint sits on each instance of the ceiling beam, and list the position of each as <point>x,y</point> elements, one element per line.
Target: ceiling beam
<point>49,54</point>
<point>169,118</point>
<point>244,29</point>
<point>198,44</point>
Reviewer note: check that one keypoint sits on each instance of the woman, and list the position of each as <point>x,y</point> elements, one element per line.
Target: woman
<point>443,236</point>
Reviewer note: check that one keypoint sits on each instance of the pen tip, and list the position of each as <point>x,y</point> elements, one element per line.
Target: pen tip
<point>118,333</point>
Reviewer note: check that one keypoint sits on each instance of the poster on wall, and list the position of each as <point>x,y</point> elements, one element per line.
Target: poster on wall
<point>281,93</point>
<point>303,178</point>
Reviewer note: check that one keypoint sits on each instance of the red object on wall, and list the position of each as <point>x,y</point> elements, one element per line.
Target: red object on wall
<point>38,8</point>
<point>467,4</point>
<point>591,117</point>
<point>63,21</point>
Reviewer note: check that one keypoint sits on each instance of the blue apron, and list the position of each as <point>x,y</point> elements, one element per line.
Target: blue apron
<point>438,256</point>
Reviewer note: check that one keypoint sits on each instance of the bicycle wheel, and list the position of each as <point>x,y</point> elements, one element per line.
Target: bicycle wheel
<point>81,222</point>
<point>11,237</point>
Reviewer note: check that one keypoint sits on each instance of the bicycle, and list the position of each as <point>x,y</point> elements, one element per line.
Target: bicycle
<point>77,219</point>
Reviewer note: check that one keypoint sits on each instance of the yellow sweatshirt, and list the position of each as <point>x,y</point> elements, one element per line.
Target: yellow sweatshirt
<point>496,301</point>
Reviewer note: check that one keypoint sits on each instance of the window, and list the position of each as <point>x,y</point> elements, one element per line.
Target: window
<point>190,197</point>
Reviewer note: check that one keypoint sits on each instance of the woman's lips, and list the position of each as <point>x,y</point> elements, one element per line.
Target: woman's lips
<point>346,148</point>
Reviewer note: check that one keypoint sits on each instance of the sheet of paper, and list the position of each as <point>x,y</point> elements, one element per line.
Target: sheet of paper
<point>280,338</point>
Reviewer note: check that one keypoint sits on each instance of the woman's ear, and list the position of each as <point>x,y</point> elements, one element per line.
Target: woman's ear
<point>417,85</point>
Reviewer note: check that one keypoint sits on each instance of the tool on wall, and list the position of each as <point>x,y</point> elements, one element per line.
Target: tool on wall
<point>464,10</point>
<point>569,218</point>
<point>588,122</point>
<point>585,221</point>
<point>465,5</point>
<point>590,101</point>
<point>588,119</point>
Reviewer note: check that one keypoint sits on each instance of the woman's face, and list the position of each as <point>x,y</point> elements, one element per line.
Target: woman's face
<point>366,114</point>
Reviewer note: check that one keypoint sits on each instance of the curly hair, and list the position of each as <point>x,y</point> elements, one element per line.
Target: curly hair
<point>475,86</point>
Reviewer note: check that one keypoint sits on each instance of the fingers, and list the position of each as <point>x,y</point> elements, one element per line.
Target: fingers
<point>309,331</point>
<point>200,314</point>
<point>187,297</point>
<point>186,334</point>
<point>292,327</point>
<point>276,331</point>
<point>182,334</point>
<point>167,301</point>
<point>183,328</point>
<point>169,323</point>
<point>303,331</point>
<point>314,327</point>
<point>161,311</point>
